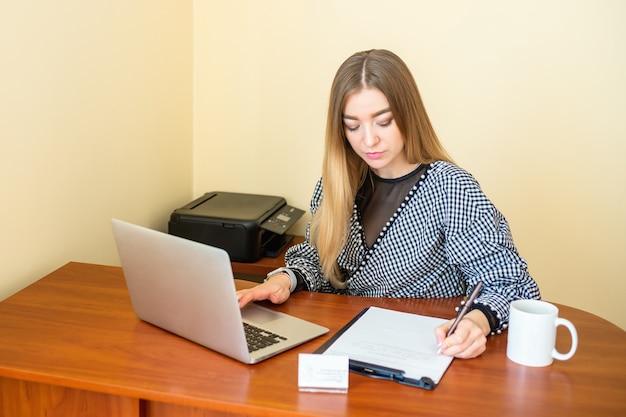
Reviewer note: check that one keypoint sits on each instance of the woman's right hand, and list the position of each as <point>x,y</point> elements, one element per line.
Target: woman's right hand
<point>275,289</point>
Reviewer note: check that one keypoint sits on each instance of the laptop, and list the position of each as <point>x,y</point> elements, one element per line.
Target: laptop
<point>188,289</point>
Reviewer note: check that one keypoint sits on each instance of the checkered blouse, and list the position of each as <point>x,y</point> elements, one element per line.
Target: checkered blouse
<point>444,238</point>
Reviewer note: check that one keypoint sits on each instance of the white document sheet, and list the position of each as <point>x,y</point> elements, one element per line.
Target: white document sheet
<point>396,340</point>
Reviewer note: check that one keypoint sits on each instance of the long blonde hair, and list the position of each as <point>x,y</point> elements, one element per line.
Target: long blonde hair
<point>343,171</point>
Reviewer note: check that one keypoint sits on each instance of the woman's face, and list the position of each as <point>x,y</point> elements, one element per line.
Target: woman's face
<point>372,132</point>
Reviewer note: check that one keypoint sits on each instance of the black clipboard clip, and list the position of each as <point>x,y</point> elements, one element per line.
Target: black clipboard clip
<point>390,374</point>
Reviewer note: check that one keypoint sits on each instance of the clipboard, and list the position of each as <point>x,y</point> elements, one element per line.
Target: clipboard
<point>391,345</point>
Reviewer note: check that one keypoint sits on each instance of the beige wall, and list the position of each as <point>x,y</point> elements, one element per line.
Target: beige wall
<point>98,107</point>
<point>529,96</point>
<point>95,122</point>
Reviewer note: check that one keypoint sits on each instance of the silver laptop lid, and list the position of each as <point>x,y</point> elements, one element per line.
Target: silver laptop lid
<point>188,288</point>
<point>182,286</point>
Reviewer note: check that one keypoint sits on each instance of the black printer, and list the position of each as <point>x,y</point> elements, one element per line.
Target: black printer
<point>247,226</point>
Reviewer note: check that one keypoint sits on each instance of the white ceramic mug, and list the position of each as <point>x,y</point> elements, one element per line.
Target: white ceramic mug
<point>532,333</point>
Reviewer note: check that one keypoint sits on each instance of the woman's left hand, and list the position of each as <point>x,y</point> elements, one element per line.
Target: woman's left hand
<point>469,340</point>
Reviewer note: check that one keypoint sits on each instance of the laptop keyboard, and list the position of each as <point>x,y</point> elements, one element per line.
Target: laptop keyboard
<point>258,338</point>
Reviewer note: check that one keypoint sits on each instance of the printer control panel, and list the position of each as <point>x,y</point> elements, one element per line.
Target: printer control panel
<point>280,221</point>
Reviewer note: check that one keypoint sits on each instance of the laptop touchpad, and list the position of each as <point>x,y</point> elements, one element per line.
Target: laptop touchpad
<point>257,314</point>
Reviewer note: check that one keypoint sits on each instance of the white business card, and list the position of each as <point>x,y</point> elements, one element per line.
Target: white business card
<point>323,373</point>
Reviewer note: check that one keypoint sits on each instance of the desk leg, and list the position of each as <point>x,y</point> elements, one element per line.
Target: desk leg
<point>24,398</point>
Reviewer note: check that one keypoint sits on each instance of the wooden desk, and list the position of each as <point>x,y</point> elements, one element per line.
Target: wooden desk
<point>70,345</point>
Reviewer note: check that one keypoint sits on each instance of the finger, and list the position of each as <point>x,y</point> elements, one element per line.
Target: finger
<point>476,348</point>
<point>252,294</point>
<point>458,341</point>
<point>243,298</point>
<point>465,344</point>
<point>441,332</point>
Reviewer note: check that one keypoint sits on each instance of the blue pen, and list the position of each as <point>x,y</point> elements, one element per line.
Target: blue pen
<point>391,374</point>
<point>375,371</point>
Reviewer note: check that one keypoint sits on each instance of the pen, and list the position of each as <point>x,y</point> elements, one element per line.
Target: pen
<point>375,371</point>
<point>391,374</point>
<point>465,307</point>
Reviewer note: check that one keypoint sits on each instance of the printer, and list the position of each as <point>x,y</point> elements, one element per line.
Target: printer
<point>247,226</point>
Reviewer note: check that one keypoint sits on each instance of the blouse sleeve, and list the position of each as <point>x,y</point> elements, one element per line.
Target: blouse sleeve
<point>303,258</point>
<point>479,243</point>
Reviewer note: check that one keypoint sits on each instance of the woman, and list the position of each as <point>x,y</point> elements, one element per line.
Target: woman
<point>394,217</point>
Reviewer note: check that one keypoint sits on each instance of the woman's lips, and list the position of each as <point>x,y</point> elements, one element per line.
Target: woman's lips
<point>374,155</point>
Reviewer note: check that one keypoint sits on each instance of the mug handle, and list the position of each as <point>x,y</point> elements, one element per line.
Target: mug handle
<point>565,356</point>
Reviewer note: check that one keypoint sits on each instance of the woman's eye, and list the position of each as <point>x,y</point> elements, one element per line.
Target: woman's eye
<point>351,128</point>
<point>385,123</point>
